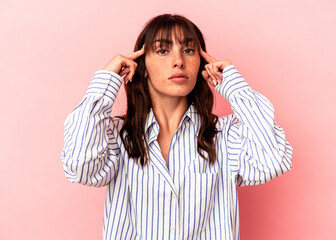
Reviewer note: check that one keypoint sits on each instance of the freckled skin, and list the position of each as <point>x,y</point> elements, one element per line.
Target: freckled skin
<point>161,63</point>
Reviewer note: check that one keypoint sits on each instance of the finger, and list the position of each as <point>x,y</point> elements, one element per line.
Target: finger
<point>205,75</point>
<point>136,54</point>
<point>124,71</point>
<point>131,72</point>
<point>128,72</point>
<point>207,57</point>
<point>126,78</point>
<point>217,72</point>
<point>211,74</point>
<point>207,78</point>
<point>127,67</point>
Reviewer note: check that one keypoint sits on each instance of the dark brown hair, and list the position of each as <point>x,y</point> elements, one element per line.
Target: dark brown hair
<point>139,102</point>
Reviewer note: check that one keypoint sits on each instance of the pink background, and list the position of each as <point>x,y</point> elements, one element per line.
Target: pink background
<point>49,51</point>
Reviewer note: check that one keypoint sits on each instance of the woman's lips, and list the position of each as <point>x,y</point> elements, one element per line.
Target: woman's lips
<point>179,77</point>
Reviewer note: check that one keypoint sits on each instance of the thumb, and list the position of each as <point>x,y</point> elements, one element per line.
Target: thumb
<point>207,78</point>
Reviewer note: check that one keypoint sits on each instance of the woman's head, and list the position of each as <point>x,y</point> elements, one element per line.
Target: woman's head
<point>172,62</point>
<point>157,33</point>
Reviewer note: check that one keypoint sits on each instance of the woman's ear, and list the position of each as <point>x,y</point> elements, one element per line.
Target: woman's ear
<point>146,74</point>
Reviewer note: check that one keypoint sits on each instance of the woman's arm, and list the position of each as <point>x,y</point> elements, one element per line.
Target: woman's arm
<point>90,153</point>
<point>264,152</point>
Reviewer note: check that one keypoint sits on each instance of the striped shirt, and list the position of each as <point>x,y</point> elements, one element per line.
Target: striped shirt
<point>190,199</point>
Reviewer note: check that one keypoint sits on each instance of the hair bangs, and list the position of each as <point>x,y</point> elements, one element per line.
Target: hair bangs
<point>169,28</point>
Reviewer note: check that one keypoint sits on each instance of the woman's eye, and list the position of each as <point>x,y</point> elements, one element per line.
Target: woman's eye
<point>162,51</point>
<point>189,51</point>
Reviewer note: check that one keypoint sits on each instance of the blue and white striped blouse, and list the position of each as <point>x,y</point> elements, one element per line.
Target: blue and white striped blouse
<point>191,199</point>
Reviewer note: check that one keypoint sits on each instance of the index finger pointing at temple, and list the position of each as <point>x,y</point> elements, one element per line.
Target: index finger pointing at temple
<point>136,54</point>
<point>207,57</point>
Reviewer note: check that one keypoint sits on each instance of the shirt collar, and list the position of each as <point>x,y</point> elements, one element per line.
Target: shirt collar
<point>152,127</point>
<point>193,115</point>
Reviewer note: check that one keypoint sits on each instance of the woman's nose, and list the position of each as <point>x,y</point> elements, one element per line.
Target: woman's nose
<point>178,61</point>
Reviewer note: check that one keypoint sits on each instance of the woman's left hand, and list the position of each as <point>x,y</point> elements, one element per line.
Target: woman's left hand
<point>213,70</point>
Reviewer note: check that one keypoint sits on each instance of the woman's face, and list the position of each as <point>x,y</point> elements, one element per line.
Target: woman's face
<point>172,67</point>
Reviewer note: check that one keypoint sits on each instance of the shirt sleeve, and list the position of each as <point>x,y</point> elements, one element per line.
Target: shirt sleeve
<point>90,153</point>
<point>257,144</point>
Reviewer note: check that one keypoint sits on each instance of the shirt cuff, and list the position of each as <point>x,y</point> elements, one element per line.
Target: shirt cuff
<point>105,83</point>
<point>232,82</point>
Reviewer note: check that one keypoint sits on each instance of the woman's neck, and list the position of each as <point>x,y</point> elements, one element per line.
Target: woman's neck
<point>169,112</point>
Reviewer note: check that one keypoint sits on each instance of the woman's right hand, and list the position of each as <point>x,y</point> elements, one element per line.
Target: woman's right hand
<point>125,65</point>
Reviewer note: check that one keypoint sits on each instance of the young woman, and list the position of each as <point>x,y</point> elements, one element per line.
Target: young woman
<point>171,166</point>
